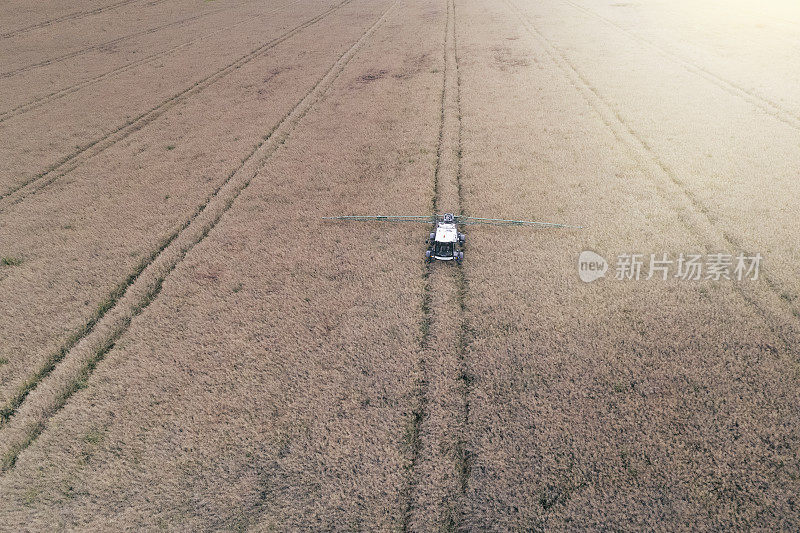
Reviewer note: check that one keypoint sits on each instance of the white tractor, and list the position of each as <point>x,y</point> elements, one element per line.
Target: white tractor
<point>446,241</point>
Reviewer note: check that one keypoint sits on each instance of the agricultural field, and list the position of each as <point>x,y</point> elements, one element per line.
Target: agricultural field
<point>185,343</point>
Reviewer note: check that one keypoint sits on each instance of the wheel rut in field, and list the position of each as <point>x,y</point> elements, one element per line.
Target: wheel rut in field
<point>112,42</point>
<point>440,459</point>
<point>61,93</point>
<point>72,161</point>
<point>763,103</point>
<point>72,16</point>
<point>690,210</point>
<point>27,415</point>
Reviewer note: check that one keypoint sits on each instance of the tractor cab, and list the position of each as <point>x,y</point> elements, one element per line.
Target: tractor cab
<point>445,242</point>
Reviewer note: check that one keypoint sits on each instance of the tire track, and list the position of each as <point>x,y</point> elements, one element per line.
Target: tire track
<point>691,211</point>
<point>68,375</point>
<point>68,163</point>
<point>419,413</point>
<point>465,456</point>
<point>56,95</point>
<point>763,103</point>
<point>73,16</point>
<point>100,46</point>
<point>440,460</point>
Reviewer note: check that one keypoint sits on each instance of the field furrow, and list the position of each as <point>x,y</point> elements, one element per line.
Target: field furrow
<point>347,415</point>
<point>56,95</point>
<point>763,103</point>
<point>22,182</point>
<point>216,309</point>
<point>440,460</point>
<point>731,55</point>
<point>10,14</point>
<point>722,225</point>
<point>617,404</point>
<point>17,51</point>
<point>51,81</point>
<point>114,227</point>
<point>78,358</point>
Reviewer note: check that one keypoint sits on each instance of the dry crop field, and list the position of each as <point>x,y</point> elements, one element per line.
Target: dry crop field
<point>186,345</point>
